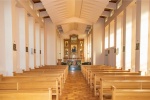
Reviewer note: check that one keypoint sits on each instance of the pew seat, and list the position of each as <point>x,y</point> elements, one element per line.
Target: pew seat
<point>128,94</point>
<point>26,94</point>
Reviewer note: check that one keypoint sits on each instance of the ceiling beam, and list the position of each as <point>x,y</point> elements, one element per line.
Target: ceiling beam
<point>113,1</point>
<point>36,1</point>
<point>42,9</point>
<point>46,17</point>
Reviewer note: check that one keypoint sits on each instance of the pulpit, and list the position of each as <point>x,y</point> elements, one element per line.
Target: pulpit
<point>59,62</point>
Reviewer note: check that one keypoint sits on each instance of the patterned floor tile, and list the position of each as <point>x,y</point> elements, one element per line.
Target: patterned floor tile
<point>76,88</point>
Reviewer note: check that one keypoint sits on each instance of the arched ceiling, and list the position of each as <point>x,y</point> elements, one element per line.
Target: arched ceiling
<point>74,15</point>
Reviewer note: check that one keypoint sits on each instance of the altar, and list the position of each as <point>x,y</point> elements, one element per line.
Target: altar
<point>73,52</point>
<point>74,64</point>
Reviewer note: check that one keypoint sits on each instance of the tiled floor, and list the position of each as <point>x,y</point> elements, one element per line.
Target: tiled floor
<point>76,88</point>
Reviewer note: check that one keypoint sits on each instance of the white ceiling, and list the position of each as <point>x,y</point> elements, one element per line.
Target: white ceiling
<point>74,15</point>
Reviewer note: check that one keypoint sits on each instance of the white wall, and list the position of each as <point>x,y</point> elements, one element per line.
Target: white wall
<point>50,43</point>
<point>98,42</point>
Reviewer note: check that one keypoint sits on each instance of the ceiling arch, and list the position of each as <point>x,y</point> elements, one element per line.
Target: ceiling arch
<point>71,15</point>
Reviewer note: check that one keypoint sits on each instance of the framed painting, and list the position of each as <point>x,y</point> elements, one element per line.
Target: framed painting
<point>66,43</point>
<point>74,38</point>
<point>73,48</point>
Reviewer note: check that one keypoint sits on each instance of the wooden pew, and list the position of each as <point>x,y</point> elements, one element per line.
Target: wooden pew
<point>65,67</point>
<point>116,77</point>
<point>49,71</point>
<point>47,67</point>
<point>128,94</point>
<point>26,95</point>
<point>84,67</point>
<point>43,75</point>
<point>34,78</point>
<point>106,69</point>
<point>105,86</point>
<point>40,74</point>
<point>91,77</point>
<point>55,66</point>
<point>1,76</point>
<point>31,85</point>
<point>85,72</point>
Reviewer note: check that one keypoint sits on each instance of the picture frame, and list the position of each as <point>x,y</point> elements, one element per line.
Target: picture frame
<point>66,44</point>
<point>74,48</point>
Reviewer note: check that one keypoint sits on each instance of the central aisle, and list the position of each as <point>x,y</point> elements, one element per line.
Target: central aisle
<point>76,88</point>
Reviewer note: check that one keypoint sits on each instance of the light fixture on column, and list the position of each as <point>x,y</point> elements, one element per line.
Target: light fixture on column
<point>14,47</point>
<point>26,49</point>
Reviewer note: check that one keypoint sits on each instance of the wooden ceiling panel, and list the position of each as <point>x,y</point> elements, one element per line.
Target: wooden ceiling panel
<point>89,10</point>
<point>36,1</point>
<point>106,9</point>
<point>46,17</point>
<point>113,1</point>
<point>42,9</point>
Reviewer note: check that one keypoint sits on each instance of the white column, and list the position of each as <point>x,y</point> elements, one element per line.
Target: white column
<point>42,46</point>
<point>31,42</point>
<point>85,49</point>
<point>98,50</point>
<point>148,63</point>
<point>50,43</point>
<point>6,52</point>
<point>124,39</point>
<point>144,35</point>
<point>37,44</point>
<point>128,38</point>
<point>133,43</point>
<point>61,46</point>
<point>27,40</point>
<point>119,40</point>
<point>138,24</point>
<point>114,49</point>
<point>21,39</point>
<point>15,30</point>
<point>106,45</point>
<point>58,46</point>
<point>112,43</point>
